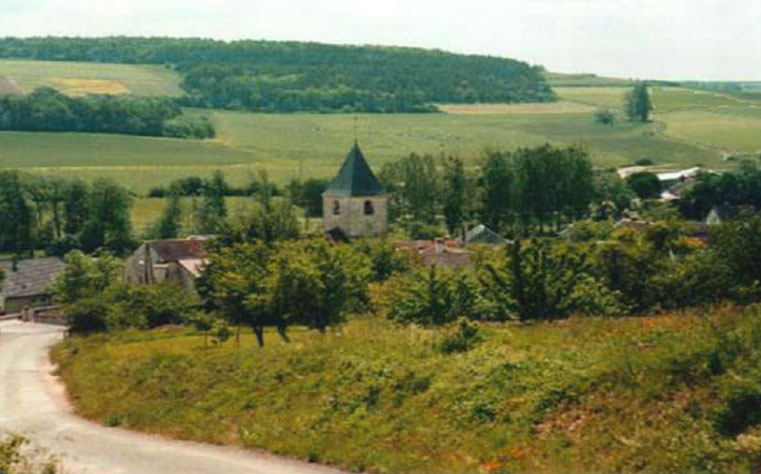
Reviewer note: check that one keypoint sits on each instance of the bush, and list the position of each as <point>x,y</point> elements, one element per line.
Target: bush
<point>463,337</point>
<point>605,117</point>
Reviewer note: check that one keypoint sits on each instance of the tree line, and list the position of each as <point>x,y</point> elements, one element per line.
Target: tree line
<point>520,191</point>
<point>294,76</point>
<point>58,215</point>
<point>49,110</point>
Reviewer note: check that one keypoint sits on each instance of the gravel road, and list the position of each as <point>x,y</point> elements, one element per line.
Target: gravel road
<point>32,403</point>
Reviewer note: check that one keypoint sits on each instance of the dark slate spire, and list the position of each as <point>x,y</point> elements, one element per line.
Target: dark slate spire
<point>355,178</point>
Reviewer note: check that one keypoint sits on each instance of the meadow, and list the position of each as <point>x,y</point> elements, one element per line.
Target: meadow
<point>313,145</point>
<point>652,394</point>
<point>79,78</point>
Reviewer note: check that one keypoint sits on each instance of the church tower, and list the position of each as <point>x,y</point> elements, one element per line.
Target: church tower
<point>355,202</point>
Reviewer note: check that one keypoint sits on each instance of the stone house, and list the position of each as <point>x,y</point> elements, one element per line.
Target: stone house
<point>26,282</point>
<point>179,260</point>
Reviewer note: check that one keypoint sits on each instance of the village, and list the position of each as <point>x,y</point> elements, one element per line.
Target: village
<point>357,207</point>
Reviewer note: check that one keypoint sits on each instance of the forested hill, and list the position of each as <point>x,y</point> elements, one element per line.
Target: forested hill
<point>292,76</point>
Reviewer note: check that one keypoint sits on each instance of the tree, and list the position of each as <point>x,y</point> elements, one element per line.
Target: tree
<point>170,222</point>
<point>108,220</point>
<point>213,209</point>
<point>455,183</point>
<point>496,182</point>
<point>638,104</point>
<point>413,182</point>
<point>16,216</point>
<point>605,117</point>
<point>84,277</point>
<point>645,184</point>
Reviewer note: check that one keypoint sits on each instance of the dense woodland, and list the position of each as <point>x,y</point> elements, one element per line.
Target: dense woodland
<point>49,110</point>
<point>292,76</point>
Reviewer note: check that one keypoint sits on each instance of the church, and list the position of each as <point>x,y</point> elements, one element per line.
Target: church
<point>355,204</point>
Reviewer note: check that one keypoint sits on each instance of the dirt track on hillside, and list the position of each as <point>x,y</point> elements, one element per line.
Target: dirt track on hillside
<point>32,403</point>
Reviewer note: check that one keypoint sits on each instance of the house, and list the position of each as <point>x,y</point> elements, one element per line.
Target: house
<point>355,204</point>
<point>179,260</point>
<point>481,234</point>
<point>673,177</point>
<point>26,282</point>
<point>437,252</point>
<point>721,214</point>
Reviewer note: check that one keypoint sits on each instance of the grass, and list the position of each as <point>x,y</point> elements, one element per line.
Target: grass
<point>668,99</point>
<point>715,129</point>
<point>658,394</point>
<point>609,97</point>
<point>91,78</point>
<point>313,145</point>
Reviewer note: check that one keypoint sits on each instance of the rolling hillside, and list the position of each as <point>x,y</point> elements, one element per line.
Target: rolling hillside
<point>79,78</point>
<point>292,76</point>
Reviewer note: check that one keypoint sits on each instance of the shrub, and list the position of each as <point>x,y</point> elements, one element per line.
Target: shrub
<point>463,337</point>
<point>605,117</point>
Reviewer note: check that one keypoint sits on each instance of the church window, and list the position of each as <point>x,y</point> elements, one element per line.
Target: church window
<point>369,210</point>
<point>336,208</point>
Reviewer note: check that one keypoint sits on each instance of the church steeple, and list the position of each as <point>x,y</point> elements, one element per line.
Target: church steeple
<point>355,204</point>
<point>355,178</point>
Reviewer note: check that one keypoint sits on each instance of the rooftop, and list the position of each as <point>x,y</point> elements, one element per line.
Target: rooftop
<point>355,178</point>
<point>178,249</point>
<point>31,277</point>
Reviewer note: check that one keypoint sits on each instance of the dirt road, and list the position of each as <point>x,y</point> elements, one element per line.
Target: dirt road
<point>32,402</point>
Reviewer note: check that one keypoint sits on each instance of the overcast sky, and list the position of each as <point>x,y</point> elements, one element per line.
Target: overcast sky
<point>665,39</point>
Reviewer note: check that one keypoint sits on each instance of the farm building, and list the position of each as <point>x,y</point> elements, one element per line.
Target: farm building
<point>177,260</point>
<point>720,214</point>
<point>481,234</point>
<point>355,204</point>
<point>26,282</point>
<point>437,252</point>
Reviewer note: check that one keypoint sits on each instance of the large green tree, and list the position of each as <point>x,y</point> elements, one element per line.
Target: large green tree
<point>638,104</point>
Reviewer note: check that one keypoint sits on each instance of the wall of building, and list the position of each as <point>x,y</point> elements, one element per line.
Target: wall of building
<point>351,218</point>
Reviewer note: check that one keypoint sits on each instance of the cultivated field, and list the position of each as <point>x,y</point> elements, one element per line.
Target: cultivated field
<point>87,78</point>
<point>291,145</point>
<point>690,127</point>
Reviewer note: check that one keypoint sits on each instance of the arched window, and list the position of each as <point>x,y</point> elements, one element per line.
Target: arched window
<point>369,210</point>
<point>336,208</point>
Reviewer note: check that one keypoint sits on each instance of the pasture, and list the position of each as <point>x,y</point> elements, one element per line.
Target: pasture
<point>88,78</point>
<point>314,145</point>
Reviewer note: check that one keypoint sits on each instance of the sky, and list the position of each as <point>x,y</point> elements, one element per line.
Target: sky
<point>654,39</point>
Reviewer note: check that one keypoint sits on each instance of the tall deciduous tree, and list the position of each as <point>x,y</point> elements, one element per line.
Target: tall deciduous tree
<point>16,215</point>
<point>638,103</point>
<point>213,209</point>
<point>108,220</point>
<point>455,184</point>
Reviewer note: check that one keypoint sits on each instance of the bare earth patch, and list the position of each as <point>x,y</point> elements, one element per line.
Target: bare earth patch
<point>7,86</point>
<point>519,109</point>
<point>73,86</point>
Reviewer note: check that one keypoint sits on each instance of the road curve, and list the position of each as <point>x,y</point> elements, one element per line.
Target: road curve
<point>32,403</point>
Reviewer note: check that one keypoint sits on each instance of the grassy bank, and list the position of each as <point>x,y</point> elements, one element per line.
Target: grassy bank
<point>677,392</point>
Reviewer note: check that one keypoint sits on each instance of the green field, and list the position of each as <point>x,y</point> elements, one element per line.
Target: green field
<point>289,146</point>
<point>732,132</point>
<point>691,127</point>
<point>86,78</point>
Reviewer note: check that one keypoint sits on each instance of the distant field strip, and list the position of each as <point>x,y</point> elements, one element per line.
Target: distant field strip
<point>90,78</point>
<point>610,97</point>
<point>561,107</point>
<point>314,145</point>
<point>724,130</point>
